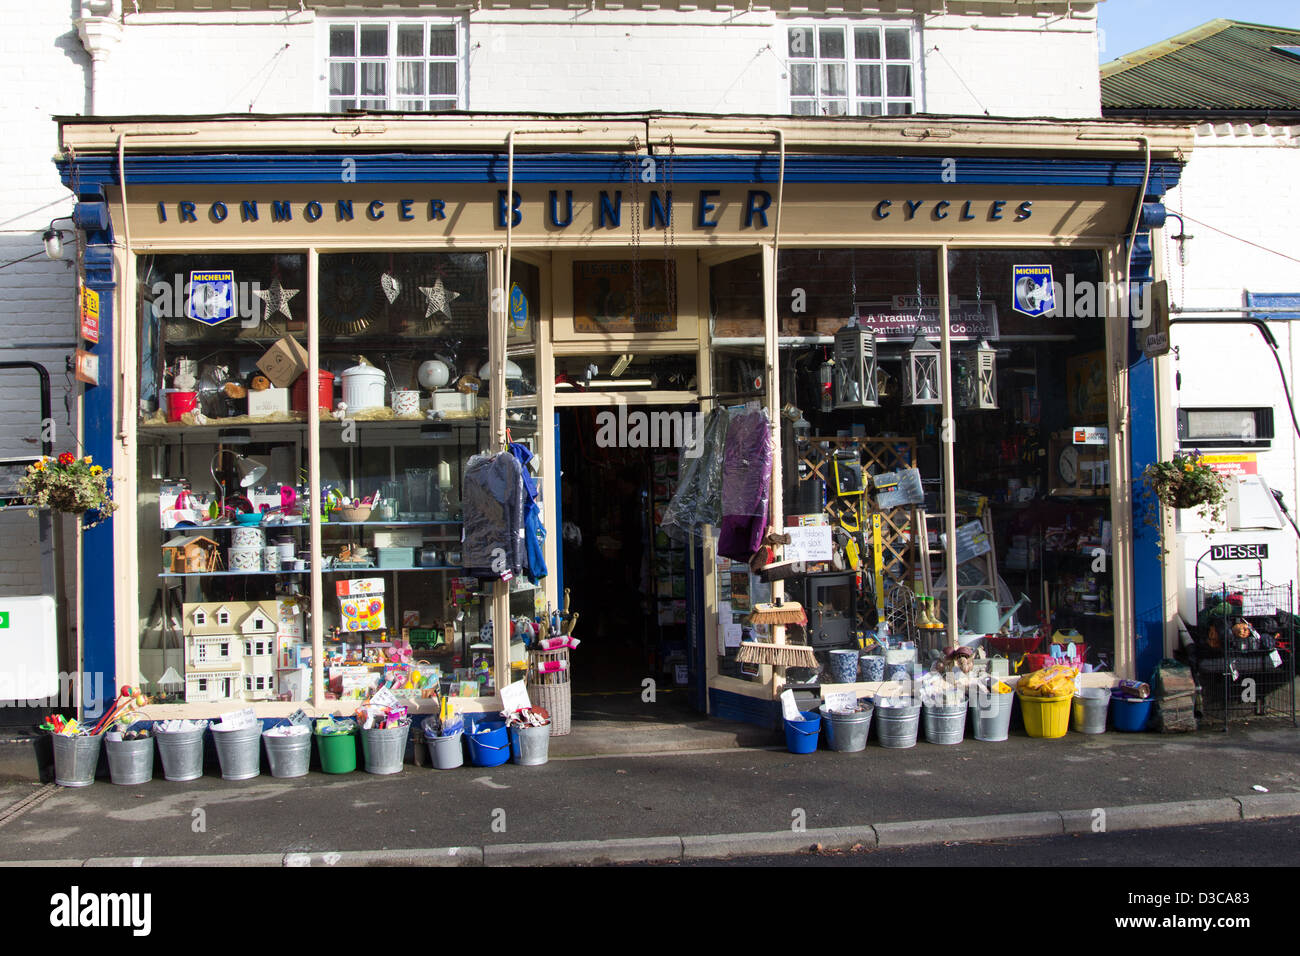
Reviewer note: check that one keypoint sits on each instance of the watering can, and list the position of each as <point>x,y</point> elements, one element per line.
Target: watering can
<point>981,617</point>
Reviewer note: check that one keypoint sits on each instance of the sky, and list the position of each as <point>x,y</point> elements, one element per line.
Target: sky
<point>1129,25</point>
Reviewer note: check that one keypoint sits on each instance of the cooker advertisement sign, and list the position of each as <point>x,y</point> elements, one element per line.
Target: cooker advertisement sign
<point>902,318</point>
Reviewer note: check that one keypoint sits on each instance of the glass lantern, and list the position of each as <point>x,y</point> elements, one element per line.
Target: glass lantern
<point>922,383</point>
<point>977,376</point>
<point>855,368</point>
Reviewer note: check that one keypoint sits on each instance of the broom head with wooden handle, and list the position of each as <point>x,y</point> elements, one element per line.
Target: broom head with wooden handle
<point>788,612</point>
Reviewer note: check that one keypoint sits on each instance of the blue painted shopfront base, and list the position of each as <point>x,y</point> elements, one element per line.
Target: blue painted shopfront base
<point>725,705</point>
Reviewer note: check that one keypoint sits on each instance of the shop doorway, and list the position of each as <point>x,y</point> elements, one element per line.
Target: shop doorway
<point>629,582</point>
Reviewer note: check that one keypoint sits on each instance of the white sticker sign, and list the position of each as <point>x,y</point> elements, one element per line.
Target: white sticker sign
<point>808,543</point>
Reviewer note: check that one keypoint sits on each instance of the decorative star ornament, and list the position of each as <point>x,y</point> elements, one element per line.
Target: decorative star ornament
<point>440,299</point>
<point>276,298</point>
<point>391,286</point>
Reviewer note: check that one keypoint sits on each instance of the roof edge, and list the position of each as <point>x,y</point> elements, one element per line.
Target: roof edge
<point>1161,48</point>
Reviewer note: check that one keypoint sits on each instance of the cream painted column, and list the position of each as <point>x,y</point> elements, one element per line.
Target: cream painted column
<point>1121,494</point>
<point>948,438</point>
<point>125,475</point>
<point>313,479</point>
<point>497,311</point>
<point>772,362</point>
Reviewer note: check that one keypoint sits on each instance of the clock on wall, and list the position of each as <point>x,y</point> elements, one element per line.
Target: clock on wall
<point>1067,464</point>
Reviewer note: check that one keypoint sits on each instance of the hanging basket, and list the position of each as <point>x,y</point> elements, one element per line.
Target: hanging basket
<point>69,485</point>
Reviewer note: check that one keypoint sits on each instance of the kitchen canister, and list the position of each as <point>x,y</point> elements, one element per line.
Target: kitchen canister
<point>271,558</point>
<point>244,559</point>
<point>287,547</point>
<point>363,388</point>
<point>248,538</point>
<point>406,401</point>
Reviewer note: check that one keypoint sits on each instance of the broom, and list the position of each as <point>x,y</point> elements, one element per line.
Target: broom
<point>779,655</point>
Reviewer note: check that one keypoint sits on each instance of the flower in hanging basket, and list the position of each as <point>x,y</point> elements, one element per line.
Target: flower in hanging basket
<point>70,485</point>
<point>1187,482</point>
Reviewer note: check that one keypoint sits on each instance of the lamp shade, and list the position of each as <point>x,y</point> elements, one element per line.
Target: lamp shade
<point>922,382</point>
<point>249,471</point>
<point>854,384</point>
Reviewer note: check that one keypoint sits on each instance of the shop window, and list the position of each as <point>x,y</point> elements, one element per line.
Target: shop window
<point>838,69</point>
<point>406,65</point>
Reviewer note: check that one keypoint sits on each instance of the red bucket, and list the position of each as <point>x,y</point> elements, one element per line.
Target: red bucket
<point>178,403</point>
<point>324,392</point>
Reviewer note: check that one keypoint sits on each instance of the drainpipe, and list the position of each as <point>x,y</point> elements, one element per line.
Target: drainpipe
<point>100,30</point>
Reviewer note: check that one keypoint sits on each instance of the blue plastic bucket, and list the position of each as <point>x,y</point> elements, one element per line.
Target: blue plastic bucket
<point>801,735</point>
<point>490,747</point>
<point>1130,716</point>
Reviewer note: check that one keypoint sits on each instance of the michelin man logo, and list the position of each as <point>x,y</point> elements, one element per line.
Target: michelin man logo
<point>1034,292</point>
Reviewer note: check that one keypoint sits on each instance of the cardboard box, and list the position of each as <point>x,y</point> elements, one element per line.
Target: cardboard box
<point>268,402</point>
<point>450,400</point>
<point>405,538</point>
<point>284,361</point>
<point>294,682</point>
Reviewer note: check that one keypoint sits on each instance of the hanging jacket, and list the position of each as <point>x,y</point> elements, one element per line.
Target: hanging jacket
<point>492,497</point>
<point>698,500</point>
<point>534,529</point>
<point>746,481</point>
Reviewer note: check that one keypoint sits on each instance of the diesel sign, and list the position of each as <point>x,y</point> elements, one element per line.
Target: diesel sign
<point>1238,552</point>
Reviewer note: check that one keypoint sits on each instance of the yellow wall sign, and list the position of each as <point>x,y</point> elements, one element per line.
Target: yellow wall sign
<point>1239,463</point>
<point>89,314</point>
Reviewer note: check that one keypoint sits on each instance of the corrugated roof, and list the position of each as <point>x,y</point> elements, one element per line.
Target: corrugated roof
<point>1222,65</point>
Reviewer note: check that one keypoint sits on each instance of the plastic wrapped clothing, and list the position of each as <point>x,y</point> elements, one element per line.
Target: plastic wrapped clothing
<point>698,500</point>
<point>746,483</point>
<point>534,529</point>
<point>492,496</point>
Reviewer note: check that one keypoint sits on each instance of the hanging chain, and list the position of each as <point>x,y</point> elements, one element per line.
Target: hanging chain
<point>920,310</point>
<point>979,283</point>
<point>636,231</point>
<point>670,231</point>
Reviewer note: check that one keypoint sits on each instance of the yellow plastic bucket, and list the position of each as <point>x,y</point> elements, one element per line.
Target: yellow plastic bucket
<point>1046,716</point>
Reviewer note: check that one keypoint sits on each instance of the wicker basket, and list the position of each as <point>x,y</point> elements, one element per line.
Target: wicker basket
<point>551,691</point>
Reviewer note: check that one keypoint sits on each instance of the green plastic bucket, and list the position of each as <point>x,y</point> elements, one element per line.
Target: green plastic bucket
<point>338,752</point>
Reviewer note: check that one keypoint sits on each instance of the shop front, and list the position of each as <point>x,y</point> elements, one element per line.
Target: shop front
<point>313,331</point>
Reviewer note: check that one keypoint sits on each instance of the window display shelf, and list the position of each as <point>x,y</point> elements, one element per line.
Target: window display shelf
<point>226,574</point>
<point>440,567</point>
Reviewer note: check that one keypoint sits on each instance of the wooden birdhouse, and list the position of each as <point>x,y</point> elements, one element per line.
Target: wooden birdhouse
<point>191,554</point>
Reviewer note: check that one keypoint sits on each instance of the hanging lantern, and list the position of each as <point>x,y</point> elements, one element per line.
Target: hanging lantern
<point>855,367</point>
<point>922,384</point>
<point>977,377</point>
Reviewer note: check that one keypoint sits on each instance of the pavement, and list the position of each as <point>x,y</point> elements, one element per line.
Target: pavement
<point>678,805</point>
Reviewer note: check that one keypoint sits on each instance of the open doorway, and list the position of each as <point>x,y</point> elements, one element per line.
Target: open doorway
<point>629,581</point>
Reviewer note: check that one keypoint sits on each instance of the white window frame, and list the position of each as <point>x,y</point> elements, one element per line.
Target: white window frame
<point>853,98</point>
<point>391,98</point>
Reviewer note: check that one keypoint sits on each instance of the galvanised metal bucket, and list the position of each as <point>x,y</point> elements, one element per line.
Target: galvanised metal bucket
<point>288,756</point>
<point>385,749</point>
<point>446,753</point>
<point>946,724</point>
<point>1089,709</point>
<point>991,715</point>
<point>896,727</point>
<point>530,746</point>
<point>240,751</point>
<point>130,761</point>
<point>182,753</point>
<point>75,759</point>
<point>847,733</point>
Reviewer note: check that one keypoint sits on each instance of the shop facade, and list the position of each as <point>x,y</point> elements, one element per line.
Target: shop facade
<point>487,264</point>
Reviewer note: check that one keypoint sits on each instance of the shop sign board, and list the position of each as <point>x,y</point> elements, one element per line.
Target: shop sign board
<point>904,316</point>
<point>808,543</point>
<point>1090,434</point>
<point>1243,463</point>
<point>89,314</point>
<point>1239,552</point>
<point>212,296</point>
<point>87,367</point>
<point>1033,292</point>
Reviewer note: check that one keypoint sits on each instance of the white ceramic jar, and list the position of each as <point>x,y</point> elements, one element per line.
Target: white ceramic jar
<point>363,388</point>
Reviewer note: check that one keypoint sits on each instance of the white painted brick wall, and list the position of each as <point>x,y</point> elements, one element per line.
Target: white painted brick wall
<point>43,71</point>
<point>1241,182</point>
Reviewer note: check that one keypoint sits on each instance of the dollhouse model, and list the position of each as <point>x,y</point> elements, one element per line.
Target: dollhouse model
<point>231,650</point>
